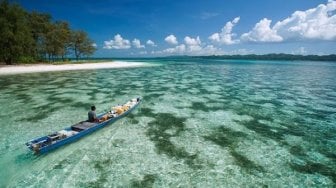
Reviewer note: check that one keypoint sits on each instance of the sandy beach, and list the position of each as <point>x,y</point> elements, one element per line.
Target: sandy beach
<point>20,69</point>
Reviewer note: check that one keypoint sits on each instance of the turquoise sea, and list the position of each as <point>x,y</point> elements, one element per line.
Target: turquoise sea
<point>202,123</point>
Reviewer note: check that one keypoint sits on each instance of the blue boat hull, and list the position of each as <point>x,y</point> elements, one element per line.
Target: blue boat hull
<point>62,142</point>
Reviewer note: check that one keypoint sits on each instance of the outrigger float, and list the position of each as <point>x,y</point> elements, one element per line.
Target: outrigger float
<point>70,134</point>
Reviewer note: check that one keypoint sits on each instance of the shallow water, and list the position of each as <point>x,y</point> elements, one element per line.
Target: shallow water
<point>202,123</point>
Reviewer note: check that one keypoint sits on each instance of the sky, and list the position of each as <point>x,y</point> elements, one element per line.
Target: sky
<point>152,28</point>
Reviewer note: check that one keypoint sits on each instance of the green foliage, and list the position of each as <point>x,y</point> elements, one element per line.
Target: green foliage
<point>15,35</point>
<point>29,37</point>
<point>26,60</point>
<point>40,23</point>
<point>57,40</point>
<point>81,44</point>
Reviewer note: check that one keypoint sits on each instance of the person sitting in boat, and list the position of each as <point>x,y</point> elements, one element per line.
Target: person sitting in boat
<point>92,117</point>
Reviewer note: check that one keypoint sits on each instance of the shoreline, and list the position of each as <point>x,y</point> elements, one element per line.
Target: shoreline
<point>36,68</point>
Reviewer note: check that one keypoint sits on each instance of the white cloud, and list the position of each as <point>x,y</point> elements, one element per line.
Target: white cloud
<point>151,43</point>
<point>137,44</point>
<point>171,39</point>
<point>180,49</point>
<point>94,45</point>
<point>300,51</point>
<point>204,50</point>
<point>117,43</point>
<point>240,51</point>
<point>262,32</point>
<point>318,23</point>
<point>191,41</point>
<point>177,50</point>
<point>226,35</point>
<point>193,44</point>
<point>208,50</point>
<point>212,50</point>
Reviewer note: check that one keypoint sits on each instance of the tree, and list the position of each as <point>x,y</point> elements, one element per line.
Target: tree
<point>40,23</point>
<point>64,38</point>
<point>28,37</point>
<point>15,33</point>
<point>81,44</point>
<point>58,40</point>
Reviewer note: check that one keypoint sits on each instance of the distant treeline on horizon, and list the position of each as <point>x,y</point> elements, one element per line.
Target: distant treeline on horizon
<point>281,56</point>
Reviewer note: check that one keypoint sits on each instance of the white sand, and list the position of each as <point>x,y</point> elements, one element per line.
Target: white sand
<point>19,69</point>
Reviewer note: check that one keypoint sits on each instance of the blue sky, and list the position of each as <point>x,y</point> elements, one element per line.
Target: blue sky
<point>137,28</point>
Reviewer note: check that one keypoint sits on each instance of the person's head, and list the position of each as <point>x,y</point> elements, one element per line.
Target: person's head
<point>93,108</point>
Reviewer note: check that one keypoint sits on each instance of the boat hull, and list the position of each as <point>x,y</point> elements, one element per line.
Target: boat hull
<point>79,135</point>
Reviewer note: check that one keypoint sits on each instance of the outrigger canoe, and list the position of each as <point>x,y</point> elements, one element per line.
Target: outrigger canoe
<point>70,134</point>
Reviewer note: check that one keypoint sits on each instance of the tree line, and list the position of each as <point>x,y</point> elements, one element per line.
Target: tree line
<point>286,57</point>
<point>27,37</point>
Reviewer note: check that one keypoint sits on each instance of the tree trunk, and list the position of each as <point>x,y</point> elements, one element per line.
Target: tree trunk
<point>8,61</point>
<point>76,54</point>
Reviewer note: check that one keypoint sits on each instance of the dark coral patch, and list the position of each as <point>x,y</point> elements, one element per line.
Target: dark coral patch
<point>311,168</point>
<point>229,138</point>
<point>152,96</point>
<point>199,106</point>
<point>225,137</point>
<point>146,112</point>
<point>244,162</point>
<point>297,151</point>
<point>158,133</point>
<point>132,118</point>
<point>147,181</point>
